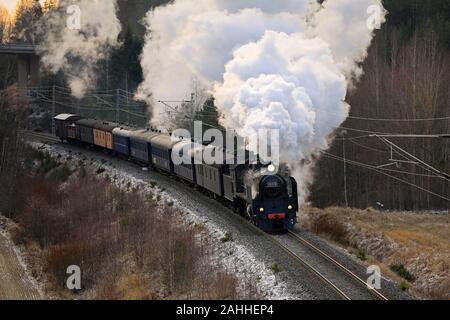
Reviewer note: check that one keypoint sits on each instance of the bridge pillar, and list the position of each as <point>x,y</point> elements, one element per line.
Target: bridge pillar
<point>35,75</point>
<point>28,71</point>
<point>22,70</point>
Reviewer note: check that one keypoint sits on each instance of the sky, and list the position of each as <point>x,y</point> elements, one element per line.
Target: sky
<point>11,4</point>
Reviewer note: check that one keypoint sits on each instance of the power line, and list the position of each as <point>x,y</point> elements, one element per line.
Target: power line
<point>399,120</point>
<point>364,146</point>
<point>369,167</point>
<point>408,156</point>
<point>396,135</point>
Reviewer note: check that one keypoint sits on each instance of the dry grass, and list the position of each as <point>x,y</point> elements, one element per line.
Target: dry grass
<point>418,242</point>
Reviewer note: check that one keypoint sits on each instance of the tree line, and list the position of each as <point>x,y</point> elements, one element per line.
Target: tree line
<point>404,78</point>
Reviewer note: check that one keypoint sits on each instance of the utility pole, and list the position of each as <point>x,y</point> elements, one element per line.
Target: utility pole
<point>53,109</point>
<point>345,172</point>
<point>117,105</point>
<point>126,92</point>
<point>3,157</point>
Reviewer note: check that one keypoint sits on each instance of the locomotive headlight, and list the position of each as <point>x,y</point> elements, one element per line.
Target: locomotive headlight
<point>261,209</point>
<point>290,207</point>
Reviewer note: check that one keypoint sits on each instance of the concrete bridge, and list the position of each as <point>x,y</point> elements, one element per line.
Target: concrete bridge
<point>27,63</point>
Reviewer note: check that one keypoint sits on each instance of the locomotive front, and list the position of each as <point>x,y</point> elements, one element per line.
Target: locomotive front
<point>275,206</point>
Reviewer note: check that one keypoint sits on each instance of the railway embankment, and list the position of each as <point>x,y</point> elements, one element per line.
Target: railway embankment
<point>412,248</point>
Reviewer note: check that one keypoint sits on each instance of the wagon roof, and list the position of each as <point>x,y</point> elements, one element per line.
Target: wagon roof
<point>105,125</point>
<point>123,131</point>
<point>66,116</point>
<point>87,122</point>
<point>143,135</point>
<point>164,141</point>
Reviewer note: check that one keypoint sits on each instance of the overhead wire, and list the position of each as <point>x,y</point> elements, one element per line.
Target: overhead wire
<point>381,171</point>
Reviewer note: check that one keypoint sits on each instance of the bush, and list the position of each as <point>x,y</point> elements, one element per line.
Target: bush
<point>361,254</point>
<point>227,237</point>
<point>402,272</point>
<point>100,170</point>
<point>61,173</point>
<point>405,285</point>
<point>331,227</point>
<point>180,256</point>
<point>153,184</point>
<point>82,173</point>
<point>18,234</point>
<point>60,257</point>
<point>276,268</point>
<point>46,162</point>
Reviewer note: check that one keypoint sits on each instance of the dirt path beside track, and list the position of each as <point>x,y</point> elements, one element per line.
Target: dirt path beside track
<point>14,282</point>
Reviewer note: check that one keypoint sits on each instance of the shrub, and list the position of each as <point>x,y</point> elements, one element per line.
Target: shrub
<point>82,173</point>
<point>61,173</point>
<point>361,254</point>
<point>100,170</point>
<point>60,257</point>
<point>227,237</point>
<point>222,286</point>
<point>405,285</point>
<point>153,184</point>
<point>331,227</point>
<point>402,272</point>
<point>46,162</point>
<point>276,268</point>
<point>180,256</point>
<point>18,234</point>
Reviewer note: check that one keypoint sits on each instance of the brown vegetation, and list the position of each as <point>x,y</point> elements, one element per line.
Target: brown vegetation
<point>413,248</point>
<point>126,246</point>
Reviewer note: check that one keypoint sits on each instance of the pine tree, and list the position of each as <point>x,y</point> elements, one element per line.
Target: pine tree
<point>28,14</point>
<point>50,5</point>
<point>5,24</point>
<point>209,115</point>
<point>125,65</point>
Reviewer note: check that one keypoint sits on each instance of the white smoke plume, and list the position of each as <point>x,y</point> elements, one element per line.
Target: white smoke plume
<point>283,64</point>
<point>76,51</point>
<point>197,38</point>
<point>347,27</point>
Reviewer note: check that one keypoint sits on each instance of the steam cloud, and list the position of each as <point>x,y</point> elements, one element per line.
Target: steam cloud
<point>283,64</point>
<point>76,52</point>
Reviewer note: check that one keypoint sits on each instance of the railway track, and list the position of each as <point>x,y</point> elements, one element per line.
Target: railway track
<point>40,135</point>
<point>340,292</point>
<point>376,293</point>
<point>314,271</point>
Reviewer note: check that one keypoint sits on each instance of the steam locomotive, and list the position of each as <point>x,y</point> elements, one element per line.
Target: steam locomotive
<point>269,201</point>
